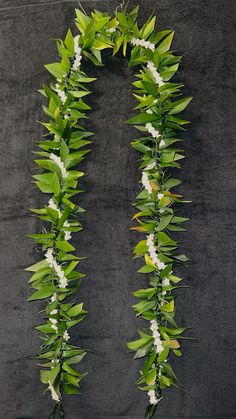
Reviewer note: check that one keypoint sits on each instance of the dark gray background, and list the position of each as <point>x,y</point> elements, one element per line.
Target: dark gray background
<point>206,37</point>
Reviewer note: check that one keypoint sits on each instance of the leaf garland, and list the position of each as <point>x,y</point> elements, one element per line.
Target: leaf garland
<point>64,146</point>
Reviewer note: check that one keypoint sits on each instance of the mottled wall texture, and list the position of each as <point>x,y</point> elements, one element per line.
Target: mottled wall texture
<point>205,35</point>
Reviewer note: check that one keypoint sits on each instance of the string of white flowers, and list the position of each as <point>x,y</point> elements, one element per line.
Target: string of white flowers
<point>66,336</point>
<point>159,348</point>
<point>60,164</point>
<point>53,321</point>
<point>145,181</point>
<point>152,252</point>
<point>143,43</point>
<point>156,75</point>
<point>53,392</point>
<point>165,283</point>
<point>77,51</point>
<point>67,234</point>
<point>149,127</point>
<point>52,263</point>
<point>156,336</point>
<point>61,93</point>
<point>153,397</point>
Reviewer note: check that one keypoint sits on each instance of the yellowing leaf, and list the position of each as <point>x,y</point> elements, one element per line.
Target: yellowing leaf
<point>149,261</point>
<point>169,307</point>
<point>174,343</point>
<point>154,185</point>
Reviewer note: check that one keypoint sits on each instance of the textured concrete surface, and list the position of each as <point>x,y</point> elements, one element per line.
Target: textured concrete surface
<point>205,35</point>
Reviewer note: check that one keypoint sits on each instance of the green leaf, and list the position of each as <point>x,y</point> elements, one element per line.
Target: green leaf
<point>164,221</point>
<point>169,307</point>
<point>56,184</point>
<point>75,310</point>
<point>141,247</point>
<point>180,105</point>
<point>56,69</point>
<point>39,265</point>
<point>165,44</point>
<point>64,150</point>
<point>65,246</point>
<point>139,343</point>
<point>148,28</point>
<point>151,377</point>
<point>53,373</point>
<point>142,118</point>
<point>70,389</point>
<point>42,293</point>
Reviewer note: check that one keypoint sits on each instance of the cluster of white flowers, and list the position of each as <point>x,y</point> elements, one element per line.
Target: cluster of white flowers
<point>165,282</point>
<point>145,182</point>
<point>54,297</point>
<point>61,93</point>
<point>52,205</point>
<point>66,336</point>
<point>152,251</point>
<point>78,56</point>
<point>143,43</point>
<point>111,30</point>
<point>152,397</point>
<point>53,392</point>
<point>162,143</point>
<point>152,130</point>
<point>57,268</point>
<point>156,336</point>
<point>54,321</point>
<point>67,233</point>
<point>156,75</point>
<point>60,164</point>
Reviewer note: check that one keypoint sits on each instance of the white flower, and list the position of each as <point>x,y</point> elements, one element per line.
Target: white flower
<point>162,143</point>
<point>159,348</point>
<point>55,311</point>
<point>156,75</point>
<point>165,282</point>
<point>53,393</point>
<point>53,321</point>
<point>53,326</point>
<point>54,297</point>
<point>146,182</point>
<point>152,252</point>
<point>67,233</point>
<point>111,30</point>
<point>49,257</point>
<point>63,282</point>
<point>152,397</point>
<point>143,43</point>
<point>78,56</point>
<point>58,269</point>
<point>60,164</point>
<point>160,195</point>
<point>156,334</point>
<point>149,111</point>
<point>154,133</point>
<point>66,336</point>
<point>61,93</point>
<point>52,205</point>
<point>153,400</point>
